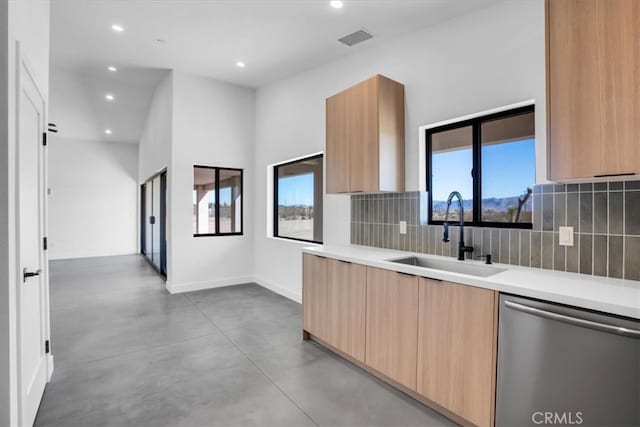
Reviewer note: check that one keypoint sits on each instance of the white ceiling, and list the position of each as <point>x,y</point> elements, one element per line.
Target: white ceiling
<point>79,109</point>
<point>275,38</point>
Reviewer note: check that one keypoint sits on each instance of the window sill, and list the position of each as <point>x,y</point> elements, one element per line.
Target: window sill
<point>218,235</point>
<point>298,242</point>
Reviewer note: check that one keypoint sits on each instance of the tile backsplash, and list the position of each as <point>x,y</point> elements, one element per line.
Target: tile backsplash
<point>605,218</point>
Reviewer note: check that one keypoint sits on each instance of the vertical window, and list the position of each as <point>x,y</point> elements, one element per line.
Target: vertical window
<point>217,201</point>
<point>452,167</point>
<point>508,168</point>
<point>490,161</point>
<point>298,190</point>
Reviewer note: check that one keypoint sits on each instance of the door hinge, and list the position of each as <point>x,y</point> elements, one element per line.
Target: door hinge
<point>45,243</point>
<point>46,347</point>
<point>44,139</point>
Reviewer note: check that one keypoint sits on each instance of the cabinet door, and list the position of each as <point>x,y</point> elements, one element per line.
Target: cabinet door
<point>346,307</point>
<point>593,91</point>
<point>314,295</point>
<point>337,143</point>
<point>457,344</point>
<point>392,325</point>
<point>362,128</point>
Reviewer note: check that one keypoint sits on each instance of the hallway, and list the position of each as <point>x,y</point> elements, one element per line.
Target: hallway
<point>129,353</point>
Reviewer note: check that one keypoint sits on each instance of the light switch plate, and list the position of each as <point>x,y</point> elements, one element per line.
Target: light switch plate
<point>566,236</point>
<point>403,227</point>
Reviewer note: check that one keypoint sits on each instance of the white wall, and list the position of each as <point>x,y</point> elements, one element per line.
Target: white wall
<point>6,313</point>
<point>155,144</point>
<point>213,124</point>
<point>71,108</point>
<point>93,206</point>
<point>489,58</point>
<point>28,22</point>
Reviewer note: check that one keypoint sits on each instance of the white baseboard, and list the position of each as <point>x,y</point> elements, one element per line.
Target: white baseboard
<point>211,284</point>
<point>62,257</point>
<point>278,289</point>
<point>207,284</point>
<point>50,367</point>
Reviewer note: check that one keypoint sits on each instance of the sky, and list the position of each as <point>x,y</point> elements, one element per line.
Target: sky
<point>296,190</point>
<point>507,171</point>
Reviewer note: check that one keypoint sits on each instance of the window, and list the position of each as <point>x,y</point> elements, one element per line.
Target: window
<point>298,189</point>
<point>490,161</point>
<point>217,201</point>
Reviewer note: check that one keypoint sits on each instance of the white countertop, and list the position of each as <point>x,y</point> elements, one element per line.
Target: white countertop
<point>616,296</point>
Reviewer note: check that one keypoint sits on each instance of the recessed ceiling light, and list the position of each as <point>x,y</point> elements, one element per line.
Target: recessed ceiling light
<point>117,28</point>
<point>107,131</point>
<point>240,64</point>
<point>109,97</point>
<point>336,4</point>
<point>112,68</point>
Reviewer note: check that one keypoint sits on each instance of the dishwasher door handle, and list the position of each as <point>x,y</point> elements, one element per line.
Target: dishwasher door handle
<point>604,327</point>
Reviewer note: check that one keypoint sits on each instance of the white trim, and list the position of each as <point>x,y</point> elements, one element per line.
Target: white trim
<point>480,114</point>
<point>422,146</point>
<point>207,284</point>
<point>99,255</point>
<point>299,242</point>
<point>234,281</point>
<point>50,364</point>
<point>278,289</point>
<point>296,159</point>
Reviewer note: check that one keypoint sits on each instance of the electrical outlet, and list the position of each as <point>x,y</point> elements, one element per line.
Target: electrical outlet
<point>403,227</point>
<point>565,236</point>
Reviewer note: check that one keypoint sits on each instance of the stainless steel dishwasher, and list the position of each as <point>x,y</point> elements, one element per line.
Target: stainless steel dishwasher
<point>564,366</point>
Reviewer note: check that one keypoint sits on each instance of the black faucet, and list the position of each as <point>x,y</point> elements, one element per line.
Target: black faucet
<point>462,248</point>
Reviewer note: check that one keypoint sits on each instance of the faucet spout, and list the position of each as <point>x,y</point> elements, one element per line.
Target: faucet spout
<point>462,248</point>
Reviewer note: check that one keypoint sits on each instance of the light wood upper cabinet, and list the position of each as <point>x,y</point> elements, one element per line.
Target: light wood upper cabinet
<point>365,138</point>
<point>392,325</point>
<point>593,88</point>
<point>457,344</point>
<point>346,308</point>
<point>315,294</point>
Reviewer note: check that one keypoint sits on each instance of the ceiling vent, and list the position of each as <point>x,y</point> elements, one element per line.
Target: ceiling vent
<point>355,38</point>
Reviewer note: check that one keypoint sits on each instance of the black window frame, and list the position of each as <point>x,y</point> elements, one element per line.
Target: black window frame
<point>217,173</point>
<point>476,124</point>
<point>275,197</point>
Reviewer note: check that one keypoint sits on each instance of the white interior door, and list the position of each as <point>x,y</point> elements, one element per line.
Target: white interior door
<point>32,295</point>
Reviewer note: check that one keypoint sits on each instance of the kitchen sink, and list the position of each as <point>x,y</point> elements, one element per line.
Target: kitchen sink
<point>460,267</point>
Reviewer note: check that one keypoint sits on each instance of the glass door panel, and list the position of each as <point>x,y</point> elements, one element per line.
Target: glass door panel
<point>149,214</point>
<point>156,223</point>
<point>154,212</point>
<point>163,223</point>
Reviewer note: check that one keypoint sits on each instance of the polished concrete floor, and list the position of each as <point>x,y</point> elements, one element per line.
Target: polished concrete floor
<point>127,353</point>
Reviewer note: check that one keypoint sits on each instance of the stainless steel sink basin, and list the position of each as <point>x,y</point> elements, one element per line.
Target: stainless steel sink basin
<point>450,266</point>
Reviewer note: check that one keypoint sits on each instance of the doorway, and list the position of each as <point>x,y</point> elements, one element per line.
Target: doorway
<point>153,217</point>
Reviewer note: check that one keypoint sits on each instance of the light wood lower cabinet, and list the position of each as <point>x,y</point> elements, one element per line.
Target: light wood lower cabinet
<point>392,325</point>
<point>346,307</point>
<point>315,294</point>
<point>457,344</point>
<point>435,340</point>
